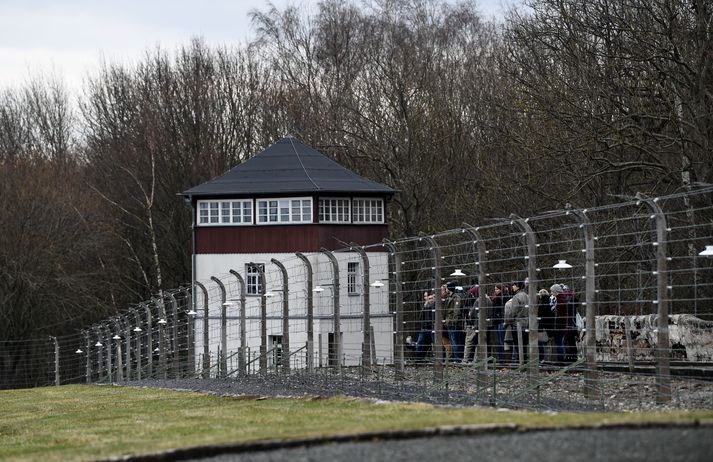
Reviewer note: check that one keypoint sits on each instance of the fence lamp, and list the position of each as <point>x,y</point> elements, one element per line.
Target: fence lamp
<point>562,264</point>
<point>708,252</point>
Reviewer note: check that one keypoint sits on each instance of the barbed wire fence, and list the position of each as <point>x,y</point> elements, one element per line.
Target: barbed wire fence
<point>641,269</point>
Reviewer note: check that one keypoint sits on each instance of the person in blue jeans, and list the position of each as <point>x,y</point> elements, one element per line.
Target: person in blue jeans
<point>453,307</point>
<point>426,335</point>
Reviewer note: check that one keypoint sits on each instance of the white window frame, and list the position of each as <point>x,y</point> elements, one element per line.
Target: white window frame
<point>284,210</point>
<point>352,278</point>
<point>335,210</point>
<point>252,278</point>
<point>220,212</point>
<point>368,210</point>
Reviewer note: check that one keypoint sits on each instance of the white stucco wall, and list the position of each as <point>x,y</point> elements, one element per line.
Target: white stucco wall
<point>351,305</point>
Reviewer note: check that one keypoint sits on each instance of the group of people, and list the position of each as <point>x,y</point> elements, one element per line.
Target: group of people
<point>507,323</point>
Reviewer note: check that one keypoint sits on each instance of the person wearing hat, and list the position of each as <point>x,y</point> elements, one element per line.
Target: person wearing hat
<point>453,307</point>
<point>517,315</point>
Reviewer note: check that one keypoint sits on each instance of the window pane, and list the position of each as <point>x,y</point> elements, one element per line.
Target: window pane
<point>247,212</point>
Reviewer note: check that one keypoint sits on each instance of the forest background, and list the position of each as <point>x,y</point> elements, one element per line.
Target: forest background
<point>561,101</point>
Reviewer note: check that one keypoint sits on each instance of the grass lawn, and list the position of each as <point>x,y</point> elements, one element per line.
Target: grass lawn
<point>83,422</point>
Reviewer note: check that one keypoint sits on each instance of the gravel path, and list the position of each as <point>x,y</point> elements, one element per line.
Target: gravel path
<point>616,392</point>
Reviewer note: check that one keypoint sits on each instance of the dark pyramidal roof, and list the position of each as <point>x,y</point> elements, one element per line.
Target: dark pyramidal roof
<point>288,167</point>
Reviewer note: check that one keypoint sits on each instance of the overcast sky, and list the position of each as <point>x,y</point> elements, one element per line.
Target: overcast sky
<point>68,38</point>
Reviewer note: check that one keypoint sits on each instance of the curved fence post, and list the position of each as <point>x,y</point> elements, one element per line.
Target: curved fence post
<point>243,341</point>
<point>285,317</point>
<point>534,363</point>
<point>310,313</point>
<point>161,305</point>
<point>263,317</point>
<point>590,375</point>
<point>337,314</point>
<point>206,347</point>
<point>399,362</point>
<point>137,351</point>
<point>663,359</point>
<point>174,335</point>
<point>366,313</point>
<point>438,321</point>
<point>483,327</point>
<point>223,355</point>
<point>190,341</point>
<point>107,343</point>
<point>149,338</point>
<point>119,364</point>
<point>55,343</point>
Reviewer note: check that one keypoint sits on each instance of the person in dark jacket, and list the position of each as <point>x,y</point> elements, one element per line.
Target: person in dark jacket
<point>426,333</point>
<point>545,324</point>
<point>558,306</point>
<point>497,342</point>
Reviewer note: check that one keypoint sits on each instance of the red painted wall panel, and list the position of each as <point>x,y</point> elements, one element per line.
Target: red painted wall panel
<point>285,238</point>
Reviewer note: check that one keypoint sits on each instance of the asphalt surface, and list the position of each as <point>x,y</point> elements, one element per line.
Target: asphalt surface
<point>621,444</point>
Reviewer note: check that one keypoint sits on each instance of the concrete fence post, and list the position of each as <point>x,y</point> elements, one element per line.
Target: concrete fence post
<point>174,335</point>
<point>137,350</point>
<point>336,310</point>
<point>206,347</point>
<point>590,375</point>
<point>398,302</point>
<point>263,317</point>
<point>88,356</point>
<point>483,329</point>
<point>534,364</point>
<point>663,358</point>
<point>127,338</point>
<point>56,360</point>
<point>285,317</point>
<point>162,322</point>
<point>310,312</point>
<point>243,328</point>
<point>223,357</point>
<point>119,364</point>
<point>149,338</point>
<point>438,321</point>
<point>107,343</point>
<point>366,307</point>
<point>190,369</point>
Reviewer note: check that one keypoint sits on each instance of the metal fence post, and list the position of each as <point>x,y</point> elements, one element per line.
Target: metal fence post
<point>337,312</point>
<point>590,374</point>
<point>310,313</point>
<point>534,364</point>
<point>399,362</point>
<point>663,377</point>
<point>438,322</point>
<point>243,341</point>
<point>223,357</point>
<point>206,347</point>
<point>285,317</point>
<point>366,313</point>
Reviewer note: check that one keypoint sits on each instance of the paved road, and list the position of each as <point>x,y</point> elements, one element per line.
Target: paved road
<point>645,445</point>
